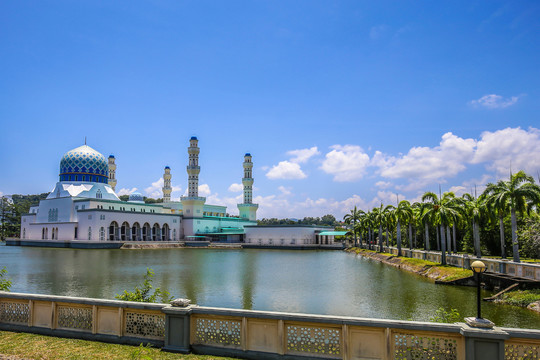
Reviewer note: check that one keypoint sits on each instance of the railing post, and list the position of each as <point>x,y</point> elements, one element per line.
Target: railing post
<point>177,328</point>
<point>484,344</point>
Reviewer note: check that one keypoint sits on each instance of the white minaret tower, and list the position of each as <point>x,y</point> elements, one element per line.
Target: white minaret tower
<point>192,205</point>
<point>248,210</point>
<point>167,189</point>
<point>112,172</point>
<point>193,168</point>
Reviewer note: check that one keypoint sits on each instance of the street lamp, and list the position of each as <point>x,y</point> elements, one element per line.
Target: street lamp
<point>478,267</point>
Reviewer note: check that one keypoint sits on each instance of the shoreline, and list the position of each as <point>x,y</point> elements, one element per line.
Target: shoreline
<point>441,274</point>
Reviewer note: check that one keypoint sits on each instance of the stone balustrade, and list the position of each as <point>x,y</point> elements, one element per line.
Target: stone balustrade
<point>259,334</point>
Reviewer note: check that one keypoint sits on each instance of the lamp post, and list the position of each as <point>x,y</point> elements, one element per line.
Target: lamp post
<point>478,267</point>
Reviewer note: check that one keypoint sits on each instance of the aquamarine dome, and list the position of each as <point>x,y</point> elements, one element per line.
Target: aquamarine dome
<point>84,164</point>
<point>138,197</point>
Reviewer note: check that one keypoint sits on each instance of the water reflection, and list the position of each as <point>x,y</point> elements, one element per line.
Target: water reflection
<point>318,282</point>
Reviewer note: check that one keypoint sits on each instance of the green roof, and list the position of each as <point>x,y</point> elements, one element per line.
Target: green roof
<point>333,233</point>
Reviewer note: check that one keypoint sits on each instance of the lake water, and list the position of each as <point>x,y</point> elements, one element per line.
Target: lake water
<point>317,282</point>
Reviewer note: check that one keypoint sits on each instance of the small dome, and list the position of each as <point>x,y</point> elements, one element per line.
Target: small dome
<point>193,138</point>
<point>84,164</point>
<point>136,197</point>
<point>247,154</point>
<point>167,167</point>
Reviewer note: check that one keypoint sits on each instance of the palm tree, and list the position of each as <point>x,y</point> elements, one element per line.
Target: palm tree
<point>442,212</point>
<point>403,214</point>
<point>389,220</point>
<point>497,205</point>
<point>353,217</point>
<point>520,193</point>
<point>475,209</point>
<point>424,220</point>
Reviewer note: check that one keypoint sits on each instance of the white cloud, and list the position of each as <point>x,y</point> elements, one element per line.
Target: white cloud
<point>493,101</point>
<point>204,190</point>
<point>510,147</point>
<point>284,190</point>
<point>383,184</point>
<point>154,190</point>
<point>422,165</point>
<point>303,155</point>
<point>286,170</point>
<point>346,162</point>
<point>236,187</point>
<point>125,191</point>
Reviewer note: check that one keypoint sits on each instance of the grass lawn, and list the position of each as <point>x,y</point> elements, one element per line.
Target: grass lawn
<point>31,346</point>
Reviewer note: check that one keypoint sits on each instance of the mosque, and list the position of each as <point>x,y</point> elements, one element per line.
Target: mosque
<point>84,206</point>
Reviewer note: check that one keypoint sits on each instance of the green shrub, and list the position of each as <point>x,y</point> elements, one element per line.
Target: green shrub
<point>142,293</point>
<point>443,316</point>
<point>5,284</point>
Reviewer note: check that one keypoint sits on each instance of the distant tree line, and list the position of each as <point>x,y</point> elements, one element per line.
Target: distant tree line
<point>11,210</point>
<point>147,200</point>
<point>326,220</point>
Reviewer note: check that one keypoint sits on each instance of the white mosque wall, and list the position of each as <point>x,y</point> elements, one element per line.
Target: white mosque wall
<point>291,235</point>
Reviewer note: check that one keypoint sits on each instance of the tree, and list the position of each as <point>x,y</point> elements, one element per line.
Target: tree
<point>520,193</point>
<point>353,218</point>
<point>142,293</point>
<point>403,214</point>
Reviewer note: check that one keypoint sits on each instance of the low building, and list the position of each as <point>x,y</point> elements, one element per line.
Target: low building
<point>291,236</point>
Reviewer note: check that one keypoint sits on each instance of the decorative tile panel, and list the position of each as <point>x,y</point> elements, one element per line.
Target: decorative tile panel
<point>218,332</point>
<point>315,340</point>
<point>74,317</point>
<point>409,346</point>
<point>14,312</point>
<point>517,351</point>
<point>145,325</point>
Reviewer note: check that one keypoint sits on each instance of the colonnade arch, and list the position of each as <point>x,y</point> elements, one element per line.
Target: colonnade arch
<point>135,232</point>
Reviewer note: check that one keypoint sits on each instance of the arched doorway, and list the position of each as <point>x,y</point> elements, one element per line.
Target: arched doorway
<point>113,231</point>
<point>155,232</point>
<point>165,233</point>
<point>146,232</point>
<point>124,229</point>
<point>135,232</point>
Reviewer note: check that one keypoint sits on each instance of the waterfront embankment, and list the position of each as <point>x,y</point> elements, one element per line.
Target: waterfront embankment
<point>431,270</point>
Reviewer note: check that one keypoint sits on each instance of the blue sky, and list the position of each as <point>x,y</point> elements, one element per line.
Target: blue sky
<point>341,103</point>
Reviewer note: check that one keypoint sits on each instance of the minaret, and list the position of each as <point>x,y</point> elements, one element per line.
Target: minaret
<point>248,210</point>
<point>167,189</point>
<point>193,168</point>
<point>112,172</point>
<point>192,205</point>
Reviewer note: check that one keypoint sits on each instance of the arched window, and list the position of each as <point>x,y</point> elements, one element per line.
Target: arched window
<point>42,233</point>
<point>24,234</point>
<point>102,233</point>
<point>174,235</point>
<point>99,195</point>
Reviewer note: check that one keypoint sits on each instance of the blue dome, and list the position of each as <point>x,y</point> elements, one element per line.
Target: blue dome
<point>84,164</point>
<point>136,197</point>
